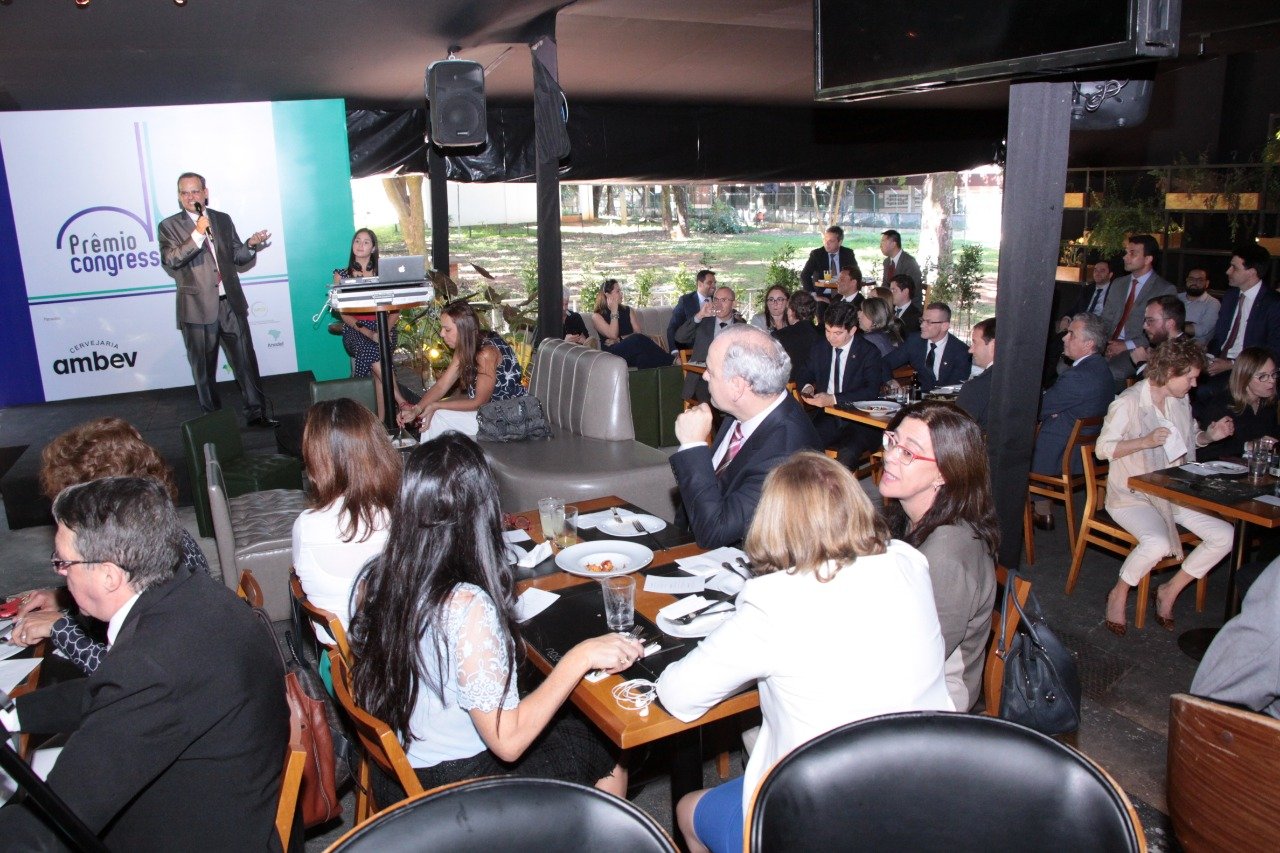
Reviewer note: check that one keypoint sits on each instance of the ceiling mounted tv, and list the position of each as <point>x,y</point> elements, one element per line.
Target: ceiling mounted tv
<point>869,50</point>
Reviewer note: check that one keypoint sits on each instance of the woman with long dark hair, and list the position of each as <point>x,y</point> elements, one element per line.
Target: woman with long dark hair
<point>1249,400</point>
<point>483,368</point>
<point>437,645</point>
<point>935,470</point>
<point>620,330</point>
<point>775,315</point>
<point>360,331</point>
<point>353,473</point>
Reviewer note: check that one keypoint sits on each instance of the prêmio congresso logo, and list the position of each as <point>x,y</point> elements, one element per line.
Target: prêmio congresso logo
<point>96,250</point>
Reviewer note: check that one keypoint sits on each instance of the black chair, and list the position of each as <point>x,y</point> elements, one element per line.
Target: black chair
<point>506,813</point>
<point>931,781</point>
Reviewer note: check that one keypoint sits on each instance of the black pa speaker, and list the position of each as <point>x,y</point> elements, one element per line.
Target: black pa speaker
<point>455,91</point>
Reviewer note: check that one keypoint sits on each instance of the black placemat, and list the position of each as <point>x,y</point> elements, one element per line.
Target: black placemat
<point>1228,488</point>
<point>670,536</point>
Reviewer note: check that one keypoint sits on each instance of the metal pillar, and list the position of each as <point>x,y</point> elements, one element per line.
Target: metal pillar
<point>550,260</point>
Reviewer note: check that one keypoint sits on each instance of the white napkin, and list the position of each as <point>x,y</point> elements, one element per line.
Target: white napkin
<point>1268,499</point>
<point>711,562</point>
<point>674,586</point>
<point>516,536</point>
<point>532,602</point>
<point>730,583</point>
<point>539,553</point>
<point>683,607</point>
<point>1175,447</point>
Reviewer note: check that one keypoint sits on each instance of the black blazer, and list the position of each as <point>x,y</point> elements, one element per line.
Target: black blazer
<point>686,307</point>
<point>1262,328</point>
<point>819,262</point>
<point>864,370</point>
<point>700,334</point>
<point>178,738</point>
<point>1084,391</point>
<point>797,339</point>
<point>719,508</point>
<point>955,361</point>
<point>910,321</point>
<point>975,395</point>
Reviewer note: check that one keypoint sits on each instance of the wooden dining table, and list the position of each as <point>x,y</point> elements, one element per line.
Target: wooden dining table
<point>1188,490</point>
<point>628,729</point>
<point>861,416</point>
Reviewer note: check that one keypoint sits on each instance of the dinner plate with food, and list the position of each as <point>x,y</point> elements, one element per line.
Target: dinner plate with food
<point>879,408</point>
<point>603,559</point>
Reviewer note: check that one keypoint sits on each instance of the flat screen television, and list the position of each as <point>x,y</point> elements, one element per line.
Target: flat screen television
<point>868,50</point>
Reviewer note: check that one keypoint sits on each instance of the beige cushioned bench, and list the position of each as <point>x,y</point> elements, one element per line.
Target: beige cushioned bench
<point>592,451</point>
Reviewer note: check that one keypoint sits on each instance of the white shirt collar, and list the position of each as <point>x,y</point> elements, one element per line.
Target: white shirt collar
<point>748,427</point>
<point>117,620</point>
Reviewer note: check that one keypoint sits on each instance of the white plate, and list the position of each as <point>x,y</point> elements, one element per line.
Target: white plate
<point>651,523</point>
<point>946,389</point>
<point>878,405</point>
<point>573,558</point>
<point>1225,467</point>
<point>700,627</point>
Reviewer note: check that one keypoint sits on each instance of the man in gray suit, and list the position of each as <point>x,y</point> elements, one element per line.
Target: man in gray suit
<point>898,262</point>
<point>1123,315</point>
<point>202,251</point>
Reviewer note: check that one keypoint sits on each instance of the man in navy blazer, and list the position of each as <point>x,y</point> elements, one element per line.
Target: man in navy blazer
<point>1258,308</point>
<point>1083,391</point>
<point>950,361</point>
<point>828,379</point>
<point>832,256</point>
<point>688,305</point>
<point>720,483</point>
<point>177,740</point>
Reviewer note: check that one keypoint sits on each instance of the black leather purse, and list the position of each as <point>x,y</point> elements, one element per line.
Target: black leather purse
<point>1041,679</point>
<point>512,419</point>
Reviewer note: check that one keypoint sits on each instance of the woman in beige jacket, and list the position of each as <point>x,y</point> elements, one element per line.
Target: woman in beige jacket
<point>1149,427</point>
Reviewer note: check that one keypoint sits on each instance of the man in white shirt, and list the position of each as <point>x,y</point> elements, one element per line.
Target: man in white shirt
<point>1202,309</point>
<point>720,484</point>
<point>1250,315</point>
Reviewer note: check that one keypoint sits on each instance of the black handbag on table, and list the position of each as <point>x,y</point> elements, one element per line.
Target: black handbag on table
<point>512,419</point>
<point>1041,680</point>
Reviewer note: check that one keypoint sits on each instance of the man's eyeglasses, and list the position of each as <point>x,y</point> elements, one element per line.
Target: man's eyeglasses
<point>933,322</point>
<point>60,565</point>
<point>891,443</point>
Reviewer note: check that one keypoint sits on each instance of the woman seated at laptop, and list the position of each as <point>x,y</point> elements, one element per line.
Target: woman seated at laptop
<point>832,594</point>
<point>360,331</point>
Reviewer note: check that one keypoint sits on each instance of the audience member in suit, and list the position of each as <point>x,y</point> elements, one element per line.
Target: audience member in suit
<point>1122,316</point>
<point>975,396</point>
<point>898,262</point>
<point>939,357</point>
<point>841,369</point>
<point>1093,296</point>
<point>874,322</point>
<point>720,483</point>
<point>690,304</point>
<point>1250,315</point>
<point>1083,391</point>
<point>1162,320</point>
<point>800,336</point>
<point>1202,309</point>
<point>1249,401</point>
<point>176,741</point>
<point>832,256</point>
<point>902,292</point>
<point>698,331</point>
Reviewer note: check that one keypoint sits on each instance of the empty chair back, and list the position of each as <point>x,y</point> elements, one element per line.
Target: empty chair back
<point>932,781</point>
<point>361,390</point>
<point>1224,776</point>
<point>510,813</point>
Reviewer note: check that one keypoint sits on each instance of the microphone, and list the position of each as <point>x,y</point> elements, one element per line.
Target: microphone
<point>200,212</point>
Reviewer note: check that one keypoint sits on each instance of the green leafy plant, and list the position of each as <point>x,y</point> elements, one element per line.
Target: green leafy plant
<point>529,277</point>
<point>957,281</point>
<point>722,219</point>
<point>1118,217</point>
<point>642,290</point>
<point>780,272</point>
<point>684,280</point>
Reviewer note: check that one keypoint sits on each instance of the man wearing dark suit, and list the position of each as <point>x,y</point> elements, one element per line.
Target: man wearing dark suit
<point>177,740</point>
<point>699,330</point>
<point>720,484</point>
<point>1162,320</point>
<point>1083,391</point>
<point>202,251</point>
<point>975,395</point>
<point>898,262</point>
<point>832,256</point>
<point>902,291</point>
<point>939,357</point>
<point>1122,315</point>
<point>842,368</point>
<point>690,304</point>
<point>1250,313</point>
<point>1093,296</point>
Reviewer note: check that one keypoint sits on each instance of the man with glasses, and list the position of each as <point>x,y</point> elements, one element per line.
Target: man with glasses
<point>711,320</point>
<point>1162,320</point>
<point>176,741</point>
<point>1202,309</point>
<point>939,357</point>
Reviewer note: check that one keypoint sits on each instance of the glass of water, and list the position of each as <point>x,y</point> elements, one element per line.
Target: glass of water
<point>619,602</point>
<point>551,516</point>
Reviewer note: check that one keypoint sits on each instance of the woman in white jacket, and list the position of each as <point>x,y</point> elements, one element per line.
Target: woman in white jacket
<point>1149,427</point>
<point>839,625</point>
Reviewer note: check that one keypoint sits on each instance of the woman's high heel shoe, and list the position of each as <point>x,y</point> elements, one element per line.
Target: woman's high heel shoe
<point>1117,628</point>
<point>1165,622</point>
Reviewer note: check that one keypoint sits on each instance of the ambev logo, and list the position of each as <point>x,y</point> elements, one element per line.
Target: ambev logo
<point>92,360</point>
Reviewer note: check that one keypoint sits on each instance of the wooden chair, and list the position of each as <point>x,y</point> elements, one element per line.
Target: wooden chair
<point>321,618</point>
<point>993,670</point>
<point>249,589</point>
<point>1098,528</point>
<point>1059,487</point>
<point>377,742</point>
<point>291,782</point>
<point>1224,776</point>
<point>904,375</point>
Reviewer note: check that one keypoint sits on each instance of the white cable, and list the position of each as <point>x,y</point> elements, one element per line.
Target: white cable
<point>636,695</point>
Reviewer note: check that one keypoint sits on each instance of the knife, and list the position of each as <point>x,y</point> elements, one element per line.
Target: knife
<point>704,611</point>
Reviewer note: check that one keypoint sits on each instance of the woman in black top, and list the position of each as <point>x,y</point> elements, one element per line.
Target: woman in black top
<point>621,333</point>
<point>799,337</point>
<point>1250,402</point>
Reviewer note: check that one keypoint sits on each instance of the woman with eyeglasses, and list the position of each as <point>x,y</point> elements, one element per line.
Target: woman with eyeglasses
<point>1249,401</point>
<point>620,330</point>
<point>935,470</point>
<point>1149,427</point>
<point>774,316</point>
<point>106,447</point>
<point>830,591</point>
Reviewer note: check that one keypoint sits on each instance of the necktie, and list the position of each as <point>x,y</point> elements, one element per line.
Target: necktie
<point>1097,298</point>
<point>735,444</point>
<point>1128,306</point>
<point>890,269</point>
<point>1235,329</point>
<point>723,323</point>
<point>930,358</point>
<point>833,383</point>
<point>835,264</point>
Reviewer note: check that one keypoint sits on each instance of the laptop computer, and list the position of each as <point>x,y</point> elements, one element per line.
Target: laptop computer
<point>407,268</point>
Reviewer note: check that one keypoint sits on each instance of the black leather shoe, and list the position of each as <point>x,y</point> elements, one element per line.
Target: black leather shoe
<point>264,422</point>
<point>1044,522</point>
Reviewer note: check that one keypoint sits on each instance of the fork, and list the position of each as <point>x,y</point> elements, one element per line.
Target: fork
<point>704,611</point>
<point>740,572</point>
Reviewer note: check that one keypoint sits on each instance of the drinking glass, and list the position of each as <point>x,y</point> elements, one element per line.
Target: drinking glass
<point>569,532</point>
<point>619,602</point>
<point>551,515</point>
<point>1259,460</point>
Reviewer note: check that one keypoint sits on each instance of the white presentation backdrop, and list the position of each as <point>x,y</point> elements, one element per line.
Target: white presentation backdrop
<point>88,189</point>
